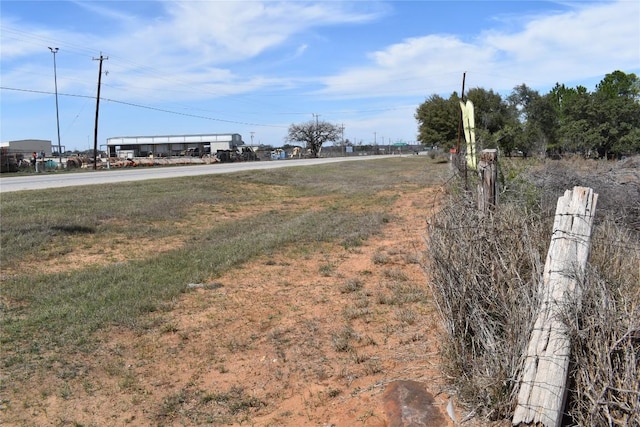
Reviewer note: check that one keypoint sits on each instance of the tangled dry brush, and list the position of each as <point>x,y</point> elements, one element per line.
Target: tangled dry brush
<point>485,272</point>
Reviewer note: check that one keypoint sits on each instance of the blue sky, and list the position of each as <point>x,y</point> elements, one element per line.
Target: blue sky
<point>255,67</point>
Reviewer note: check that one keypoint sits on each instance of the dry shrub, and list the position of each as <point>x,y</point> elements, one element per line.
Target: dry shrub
<point>617,185</point>
<point>485,271</point>
<point>605,323</point>
<point>484,274</point>
<point>605,333</point>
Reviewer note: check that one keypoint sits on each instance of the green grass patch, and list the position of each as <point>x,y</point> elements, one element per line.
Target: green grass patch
<point>60,310</point>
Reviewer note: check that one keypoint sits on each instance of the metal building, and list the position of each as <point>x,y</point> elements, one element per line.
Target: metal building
<point>172,145</point>
<point>28,146</point>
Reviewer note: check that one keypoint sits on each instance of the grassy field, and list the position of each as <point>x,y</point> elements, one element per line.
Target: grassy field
<point>76,261</point>
<point>64,307</point>
<point>96,293</point>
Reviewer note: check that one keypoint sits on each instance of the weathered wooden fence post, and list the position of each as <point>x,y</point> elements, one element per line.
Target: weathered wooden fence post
<point>488,184</point>
<point>542,392</point>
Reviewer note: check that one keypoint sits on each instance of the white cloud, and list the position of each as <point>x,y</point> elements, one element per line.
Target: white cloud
<point>301,49</point>
<point>200,43</point>
<point>228,32</point>
<point>181,52</point>
<point>99,8</point>
<point>586,42</point>
<point>408,67</point>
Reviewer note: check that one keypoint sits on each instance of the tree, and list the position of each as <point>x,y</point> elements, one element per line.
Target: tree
<point>313,134</point>
<point>438,120</point>
<point>606,122</point>
<point>573,108</point>
<point>616,121</point>
<point>617,114</point>
<point>538,118</point>
<point>491,115</point>
<point>491,112</point>
<point>508,137</point>
<point>543,118</point>
<point>619,84</point>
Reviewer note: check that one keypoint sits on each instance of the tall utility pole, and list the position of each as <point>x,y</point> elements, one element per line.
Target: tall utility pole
<point>54,50</point>
<point>95,132</point>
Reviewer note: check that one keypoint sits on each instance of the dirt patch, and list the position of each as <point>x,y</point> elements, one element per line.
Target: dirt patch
<point>309,336</point>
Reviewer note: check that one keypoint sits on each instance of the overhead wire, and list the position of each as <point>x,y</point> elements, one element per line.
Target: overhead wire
<point>144,107</point>
<point>145,69</point>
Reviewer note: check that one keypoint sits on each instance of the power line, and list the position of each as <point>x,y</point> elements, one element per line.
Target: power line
<point>144,107</point>
<point>207,117</point>
<point>145,69</point>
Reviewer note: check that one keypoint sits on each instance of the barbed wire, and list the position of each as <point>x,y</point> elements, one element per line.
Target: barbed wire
<point>467,204</point>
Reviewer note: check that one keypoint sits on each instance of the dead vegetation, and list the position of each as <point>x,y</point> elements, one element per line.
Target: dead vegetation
<point>485,272</point>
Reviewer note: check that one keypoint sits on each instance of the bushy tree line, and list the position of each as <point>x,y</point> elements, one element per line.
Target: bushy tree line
<point>604,123</point>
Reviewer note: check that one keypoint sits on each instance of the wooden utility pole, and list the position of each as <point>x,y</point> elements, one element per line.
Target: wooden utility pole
<point>543,389</point>
<point>95,132</point>
<point>488,184</point>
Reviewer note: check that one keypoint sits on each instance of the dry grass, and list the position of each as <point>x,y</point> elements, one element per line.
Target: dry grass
<point>485,273</point>
<point>263,311</point>
<point>605,331</point>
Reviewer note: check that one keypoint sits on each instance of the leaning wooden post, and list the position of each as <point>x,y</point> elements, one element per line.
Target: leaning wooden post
<point>542,392</point>
<point>488,184</point>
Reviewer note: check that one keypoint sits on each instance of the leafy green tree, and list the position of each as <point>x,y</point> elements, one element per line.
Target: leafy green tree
<point>508,137</point>
<point>616,114</point>
<point>438,121</point>
<point>619,84</point>
<point>543,120</point>
<point>616,121</point>
<point>629,143</point>
<point>605,122</point>
<point>573,108</point>
<point>532,113</point>
<point>314,134</point>
<point>491,115</point>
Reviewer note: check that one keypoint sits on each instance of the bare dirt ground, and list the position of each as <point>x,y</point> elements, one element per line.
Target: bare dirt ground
<point>299,338</point>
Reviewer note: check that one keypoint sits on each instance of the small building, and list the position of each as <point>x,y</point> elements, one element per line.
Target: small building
<point>28,146</point>
<point>172,145</point>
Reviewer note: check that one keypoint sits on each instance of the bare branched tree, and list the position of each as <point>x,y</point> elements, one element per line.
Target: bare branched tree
<point>314,134</point>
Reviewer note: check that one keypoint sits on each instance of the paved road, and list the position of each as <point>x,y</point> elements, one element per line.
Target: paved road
<point>56,180</point>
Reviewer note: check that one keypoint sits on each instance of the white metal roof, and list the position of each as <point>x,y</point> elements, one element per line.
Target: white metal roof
<point>172,139</point>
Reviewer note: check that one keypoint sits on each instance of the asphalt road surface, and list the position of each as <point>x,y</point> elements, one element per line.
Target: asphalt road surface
<point>55,180</point>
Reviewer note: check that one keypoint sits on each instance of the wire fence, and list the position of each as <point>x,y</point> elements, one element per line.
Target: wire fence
<point>485,272</point>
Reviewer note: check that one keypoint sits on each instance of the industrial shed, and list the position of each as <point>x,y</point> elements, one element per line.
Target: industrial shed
<point>172,145</point>
<point>16,154</point>
<point>28,146</point>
